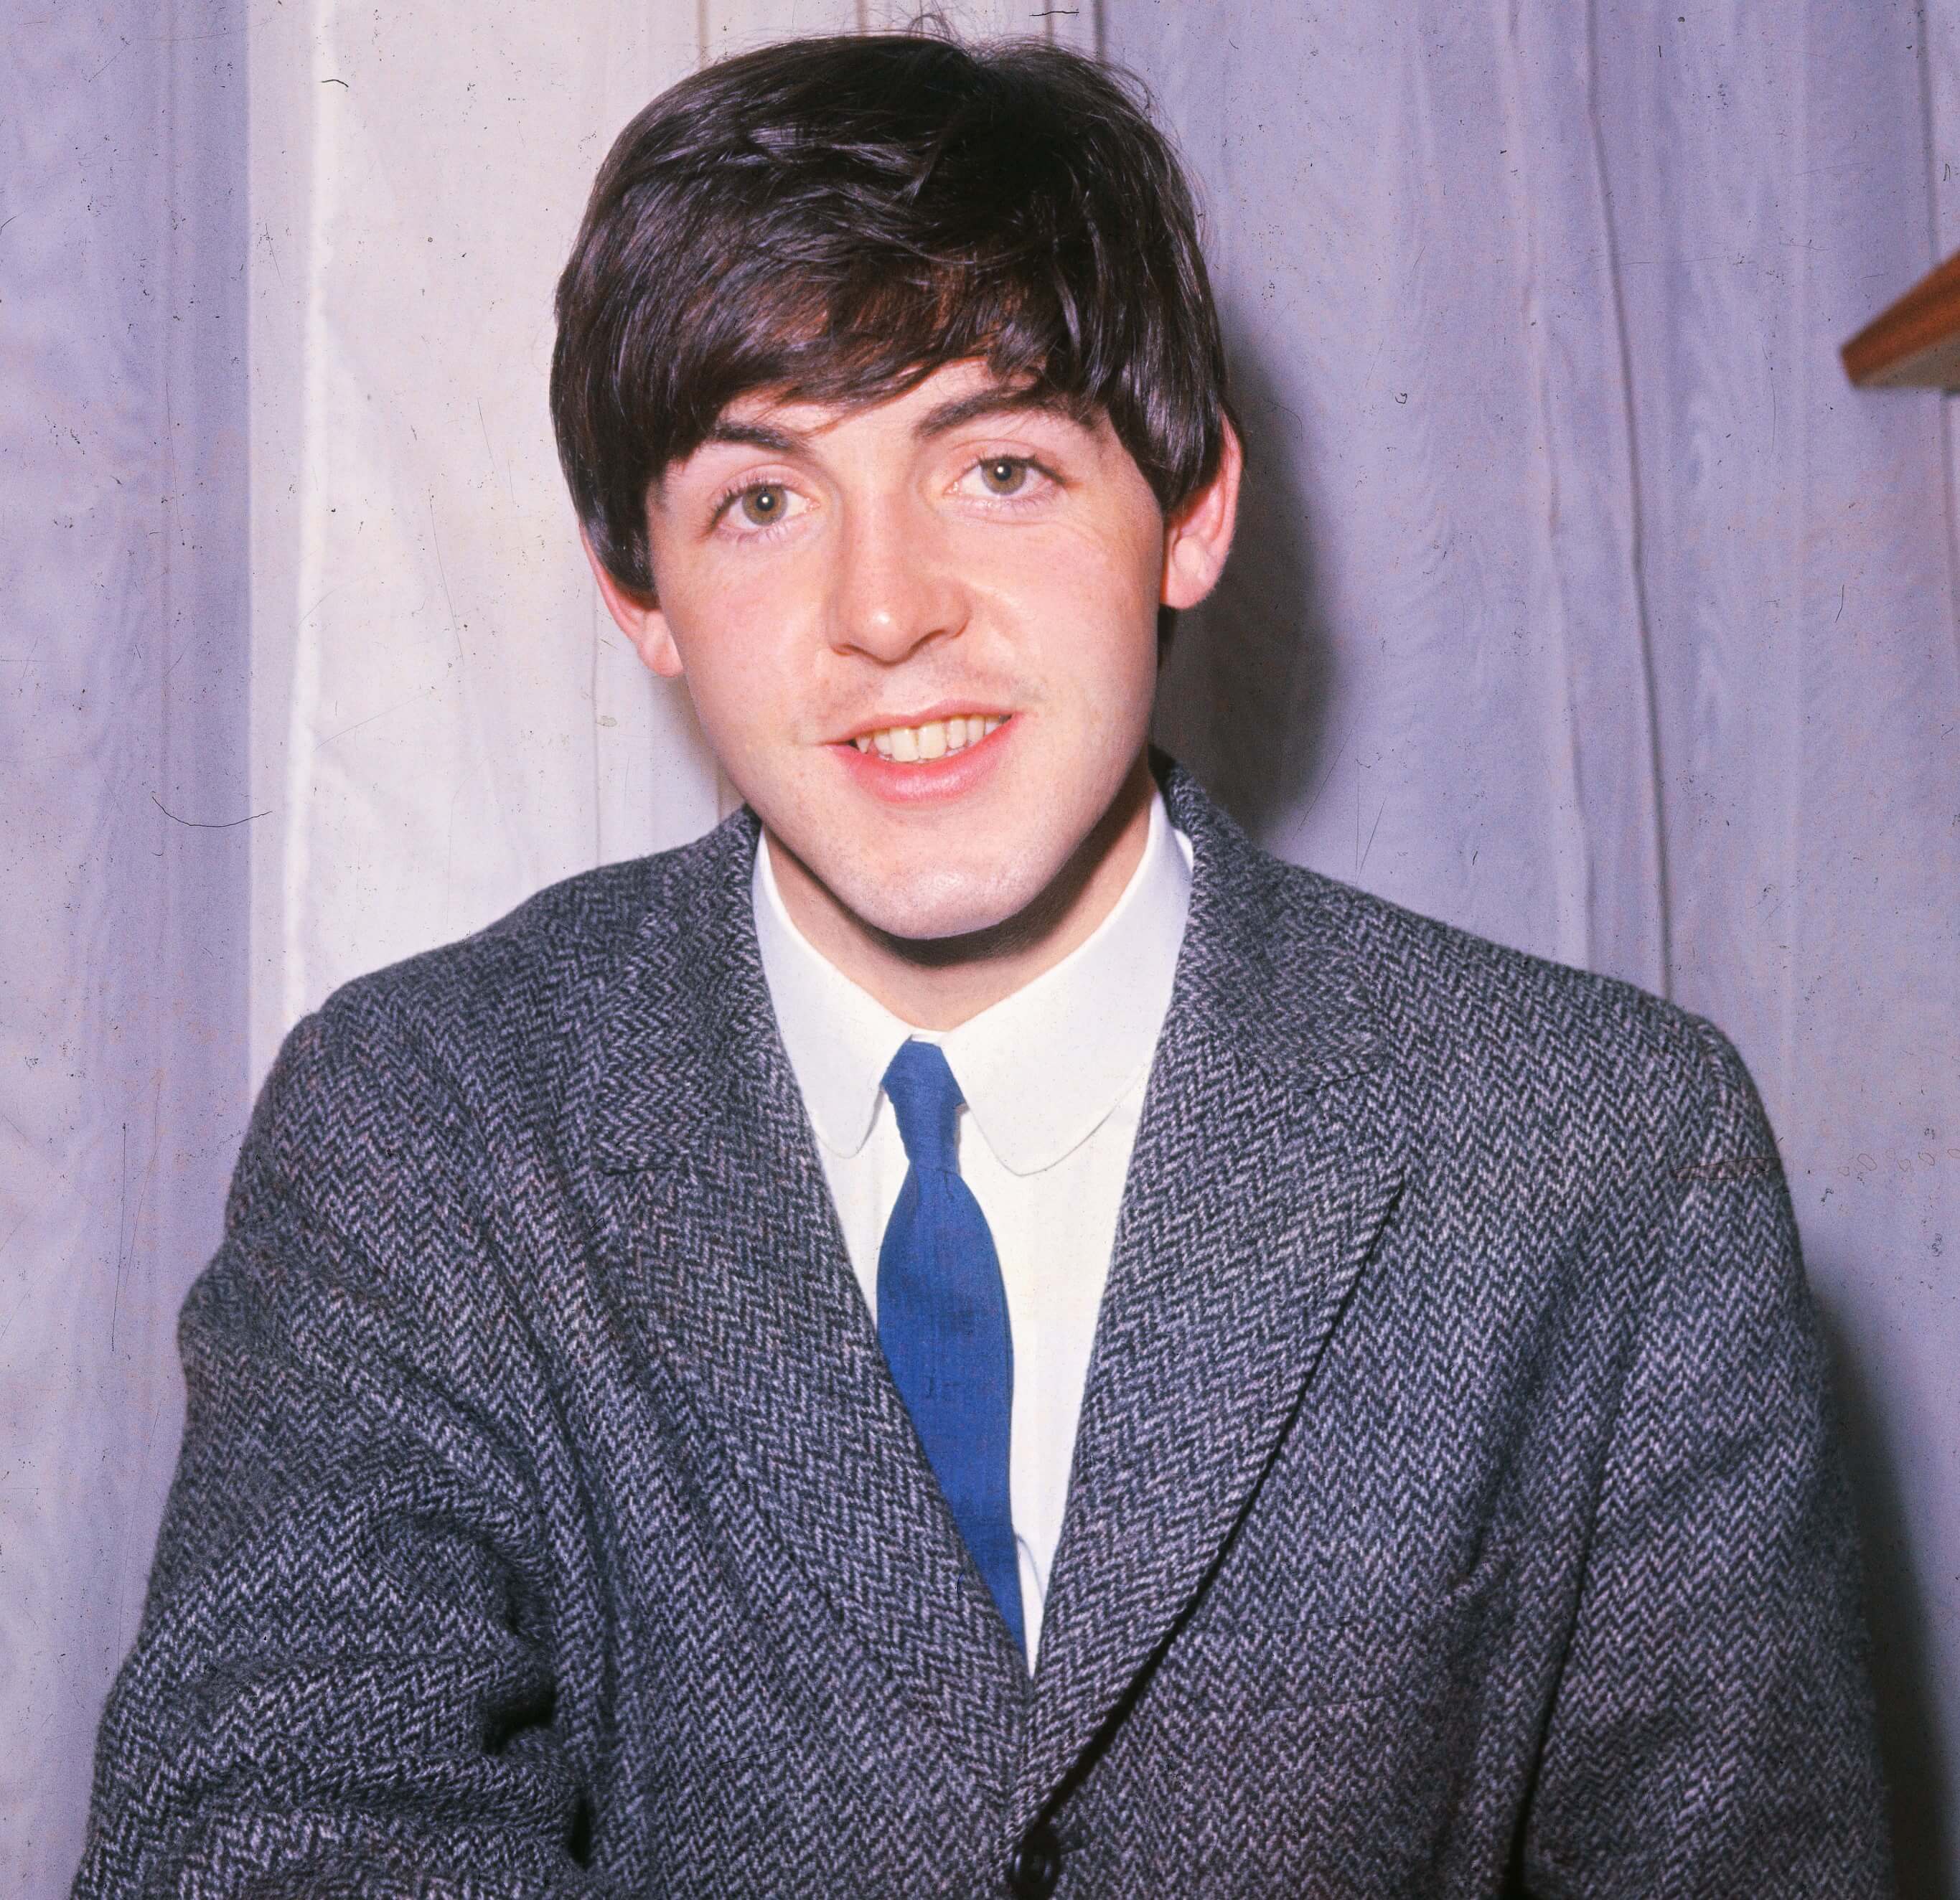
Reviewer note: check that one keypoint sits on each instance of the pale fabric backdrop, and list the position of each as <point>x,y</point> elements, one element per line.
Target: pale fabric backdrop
<point>1579,601</point>
<point>123,871</point>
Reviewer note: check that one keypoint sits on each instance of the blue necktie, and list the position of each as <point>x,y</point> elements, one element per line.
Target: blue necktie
<point>942,1322</point>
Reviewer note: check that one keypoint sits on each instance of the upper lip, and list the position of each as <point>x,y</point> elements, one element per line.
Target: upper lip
<point>943,709</point>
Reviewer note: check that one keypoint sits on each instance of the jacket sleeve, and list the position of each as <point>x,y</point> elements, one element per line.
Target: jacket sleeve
<point>1712,1732</point>
<point>343,1683</point>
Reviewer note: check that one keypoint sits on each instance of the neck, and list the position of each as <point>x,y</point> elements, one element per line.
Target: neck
<point>941,983</point>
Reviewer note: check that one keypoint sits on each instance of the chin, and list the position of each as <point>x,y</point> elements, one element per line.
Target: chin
<point>933,904</point>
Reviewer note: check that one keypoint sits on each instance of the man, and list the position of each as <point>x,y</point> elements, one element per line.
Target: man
<point>970,1333</point>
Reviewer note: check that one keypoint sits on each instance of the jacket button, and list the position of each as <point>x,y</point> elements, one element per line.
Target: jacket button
<point>1034,1866</point>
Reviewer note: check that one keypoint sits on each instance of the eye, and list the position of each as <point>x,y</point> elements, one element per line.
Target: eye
<point>755,507</point>
<point>1006,477</point>
<point>764,505</point>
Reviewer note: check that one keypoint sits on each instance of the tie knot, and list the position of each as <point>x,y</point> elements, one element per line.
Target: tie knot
<point>926,1102</point>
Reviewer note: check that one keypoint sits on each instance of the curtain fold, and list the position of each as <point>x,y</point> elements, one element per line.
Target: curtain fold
<point>124,827</point>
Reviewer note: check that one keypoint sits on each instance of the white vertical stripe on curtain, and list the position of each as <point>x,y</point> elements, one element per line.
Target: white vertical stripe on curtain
<point>445,723</point>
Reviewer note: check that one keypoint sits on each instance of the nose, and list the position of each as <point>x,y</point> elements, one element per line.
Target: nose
<point>892,589</point>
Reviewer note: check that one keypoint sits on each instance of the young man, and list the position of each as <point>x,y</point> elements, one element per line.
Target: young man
<point>970,1333</point>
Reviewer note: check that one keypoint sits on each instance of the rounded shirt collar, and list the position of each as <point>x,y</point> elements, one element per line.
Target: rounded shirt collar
<point>1041,1069</point>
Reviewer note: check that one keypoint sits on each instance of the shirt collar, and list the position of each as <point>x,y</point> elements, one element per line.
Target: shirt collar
<point>1041,1069</point>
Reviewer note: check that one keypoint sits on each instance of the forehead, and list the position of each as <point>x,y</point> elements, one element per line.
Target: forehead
<point>949,398</point>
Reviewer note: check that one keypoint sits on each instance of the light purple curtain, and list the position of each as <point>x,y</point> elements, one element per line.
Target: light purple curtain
<point>123,671</point>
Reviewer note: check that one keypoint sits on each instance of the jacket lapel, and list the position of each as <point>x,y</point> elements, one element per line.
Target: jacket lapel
<point>1265,1164</point>
<point>736,1272</point>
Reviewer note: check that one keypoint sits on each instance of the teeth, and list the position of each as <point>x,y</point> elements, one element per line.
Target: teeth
<point>910,744</point>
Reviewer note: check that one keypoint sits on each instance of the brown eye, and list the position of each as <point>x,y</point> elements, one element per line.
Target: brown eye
<point>1003,475</point>
<point>763,503</point>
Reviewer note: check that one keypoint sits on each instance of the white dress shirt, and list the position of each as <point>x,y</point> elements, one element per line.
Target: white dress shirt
<point>1054,1077</point>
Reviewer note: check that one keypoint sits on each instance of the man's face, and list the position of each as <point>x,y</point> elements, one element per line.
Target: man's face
<point>920,637</point>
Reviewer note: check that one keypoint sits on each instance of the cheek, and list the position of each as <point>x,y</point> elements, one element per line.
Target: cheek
<point>1088,611</point>
<point>735,637</point>
<point>739,686</point>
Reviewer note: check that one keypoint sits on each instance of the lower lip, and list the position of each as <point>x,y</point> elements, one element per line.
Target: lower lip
<point>930,781</point>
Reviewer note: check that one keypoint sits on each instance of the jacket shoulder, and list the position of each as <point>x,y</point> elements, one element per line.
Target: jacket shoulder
<point>533,975</point>
<point>1513,1034</point>
<point>429,1066</point>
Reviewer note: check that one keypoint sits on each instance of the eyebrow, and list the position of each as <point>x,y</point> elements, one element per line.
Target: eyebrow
<point>953,414</point>
<point>960,410</point>
<point>755,435</point>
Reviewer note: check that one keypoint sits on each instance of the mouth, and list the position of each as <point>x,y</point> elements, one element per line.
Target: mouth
<point>917,763</point>
<point>926,740</point>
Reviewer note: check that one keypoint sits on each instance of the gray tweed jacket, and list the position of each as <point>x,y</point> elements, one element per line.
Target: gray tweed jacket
<point>1454,1511</point>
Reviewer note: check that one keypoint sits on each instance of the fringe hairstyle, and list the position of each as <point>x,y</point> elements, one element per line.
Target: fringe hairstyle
<point>832,219</point>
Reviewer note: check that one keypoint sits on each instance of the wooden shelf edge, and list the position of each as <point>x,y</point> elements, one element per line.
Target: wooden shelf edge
<point>1916,343</point>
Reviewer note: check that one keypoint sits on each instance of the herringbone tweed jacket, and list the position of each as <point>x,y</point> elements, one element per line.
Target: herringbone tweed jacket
<point>1454,1511</point>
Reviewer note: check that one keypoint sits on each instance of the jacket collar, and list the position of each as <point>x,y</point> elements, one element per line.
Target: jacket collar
<point>1266,1162</point>
<point>728,1254</point>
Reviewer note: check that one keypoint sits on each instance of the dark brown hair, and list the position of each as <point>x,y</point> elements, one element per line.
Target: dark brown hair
<point>832,219</point>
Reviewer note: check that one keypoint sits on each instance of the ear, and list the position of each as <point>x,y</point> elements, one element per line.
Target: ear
<point>1198,537</point>
<point>640,620</point>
